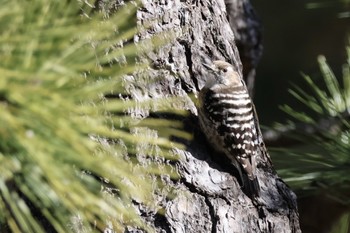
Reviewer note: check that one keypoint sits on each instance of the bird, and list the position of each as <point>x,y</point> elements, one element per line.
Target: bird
<point>226,117</point>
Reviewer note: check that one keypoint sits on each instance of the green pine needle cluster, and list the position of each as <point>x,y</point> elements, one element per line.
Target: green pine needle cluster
<point>343,224</point>
<point>68,155</point>
<point>320,162</point>
<point>343,5</point>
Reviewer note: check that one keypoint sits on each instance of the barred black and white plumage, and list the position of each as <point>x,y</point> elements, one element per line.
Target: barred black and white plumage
<point>227,119</point>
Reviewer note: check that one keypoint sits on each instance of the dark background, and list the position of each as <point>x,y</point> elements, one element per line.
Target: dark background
<point>293,36</point>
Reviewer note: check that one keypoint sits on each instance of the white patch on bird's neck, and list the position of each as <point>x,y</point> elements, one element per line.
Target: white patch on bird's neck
<point>232,79</point>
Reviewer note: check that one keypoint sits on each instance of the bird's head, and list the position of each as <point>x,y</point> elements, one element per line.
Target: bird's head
<point>224,74</point>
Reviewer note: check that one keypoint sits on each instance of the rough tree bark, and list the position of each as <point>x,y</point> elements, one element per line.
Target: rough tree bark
<point>209,198</point>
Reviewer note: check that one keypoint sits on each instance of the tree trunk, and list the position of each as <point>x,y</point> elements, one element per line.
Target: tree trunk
<point>209,198</point>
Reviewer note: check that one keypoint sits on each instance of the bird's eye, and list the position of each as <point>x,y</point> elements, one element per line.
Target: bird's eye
<point>224,69</point>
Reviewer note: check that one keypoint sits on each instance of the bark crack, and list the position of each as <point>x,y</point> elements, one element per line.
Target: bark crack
<point>213,216</point>
<point>206,196</point>
<point>188,56</point>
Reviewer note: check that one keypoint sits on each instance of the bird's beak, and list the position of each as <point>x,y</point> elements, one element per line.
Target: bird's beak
<point>209,67</point>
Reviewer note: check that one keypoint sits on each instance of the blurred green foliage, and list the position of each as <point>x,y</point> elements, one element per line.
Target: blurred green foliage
<point>68,155</point>
<point>342,226</point>
<point>320,162</point>
<point>342,5</point>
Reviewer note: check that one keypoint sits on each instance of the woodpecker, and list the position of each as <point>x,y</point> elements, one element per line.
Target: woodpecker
<point>226,117</point>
